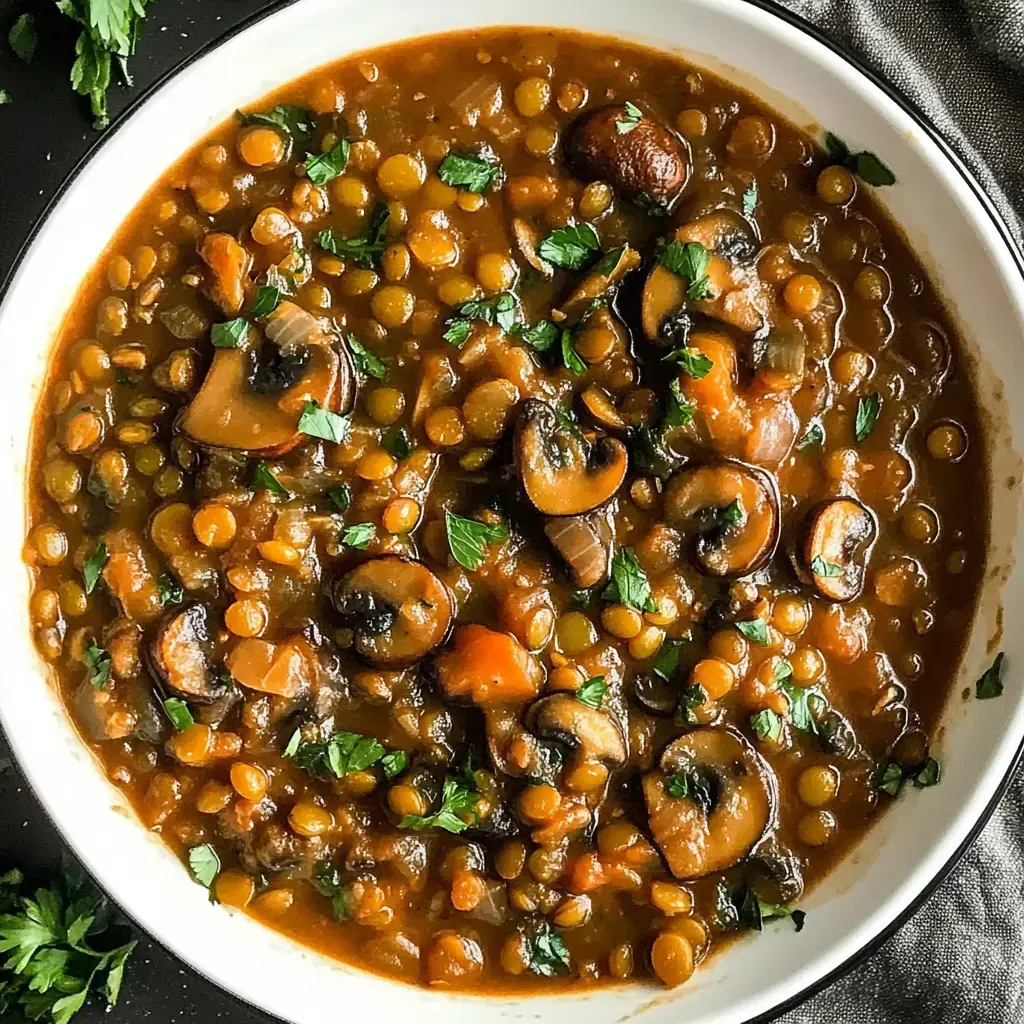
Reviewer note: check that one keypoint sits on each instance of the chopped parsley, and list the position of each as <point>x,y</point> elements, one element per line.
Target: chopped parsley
<point>630,119</point>
<point>690,699</point>
<point>755,630</point>
<point>98,662</point>
<point>754,912</point>
<point>867,415</point>
<point>170,590</point>
<point>179,714</point>
<point>293,123</point>
<point>502,311</point>
<point>321,167</point>
<point>750,199</point>
<point>23,38</point>
<point>696,784</point>
<point>691,361</point>
<point>666,661</point>
<point>678,409</point>
<point>358,535</point>
<point>469,171</point>
<point>316,421</point>
<point>364,248</point>
<point>262,477</point>
<point>205,864</point>
<point>326,879</point>
<point>365,361</point>
<point>542,335</point>
<point>991,682</point>
<point>94,566</point>
<point>890,776</point>
<point>340,497</point>
<point>865,165</point>
<point>592,692</point>
<point>629,584</point>
<point>339,755</point>
<point>812,437</point>
<point>570,357</point>
<point>828,570</point>
<point>688,260</point>
<point>767,725</point>
<point>231,334</point>
<point>467,538</point>
<point>571,247</point>
<point>394,763</point>
<point>458,800</point>
<point>546,951</point>
<point>396,442</point>
<point>267,298</point>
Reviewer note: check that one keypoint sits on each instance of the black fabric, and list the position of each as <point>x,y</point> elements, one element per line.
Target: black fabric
<point>960,959</point>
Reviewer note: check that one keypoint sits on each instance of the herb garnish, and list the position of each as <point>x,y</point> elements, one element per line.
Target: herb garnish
<point>24,38</point>
<point>316,421</point>
<point>571,247</point>
<point>98,662</point>
<point>394,763</point>
<point>629,584</point>
<point>750,199</point>
<point>755,630</point>
<point>890,776</point>
<point>231,334</point>
<point>503,310</point>
<point>267,298</point>
<point>767,725</point>
<point>828,570</point>
<point>358,535</point>
<point>364,248</point>
<point>340,497</point>
<point>94,566</point>
<point>700,786</point>
<point>179,714</point>
<point>293,123</point>
<point>327,881</point>
<point>691,361</point>
<point>666,661</point>
<point>205,864</point>
<point>678,409</point>
<point>396,442</point>
<point>812,437</point>
<point>688,260</point>
<point>867,415</point>
<point>264,478</point>
<point>592,692</point>
<point>690,699</point>
<point>365,361</point>
<point>458,800</point>
<point>170,589</point>
<point>865,165</point>
<point>340,755</point>
<point>632,117</point>
<point>322,167</point>
<point>547,952</point>
<point>542,335</point>
<point>570,357</point>
<point>991,682</point>
<point>467,537</point>
<point>753,912</point>
<point>468,171</point>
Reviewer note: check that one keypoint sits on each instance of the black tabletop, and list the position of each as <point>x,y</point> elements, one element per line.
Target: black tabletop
<point>44,132</point>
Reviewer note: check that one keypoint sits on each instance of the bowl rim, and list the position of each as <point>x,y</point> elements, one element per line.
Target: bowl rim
<point>952,158</point>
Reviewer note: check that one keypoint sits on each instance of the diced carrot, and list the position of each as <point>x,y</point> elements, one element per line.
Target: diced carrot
<point>587,873</point>
<point>489,668</point>
<point>229,263</point>
<point>714,394</point>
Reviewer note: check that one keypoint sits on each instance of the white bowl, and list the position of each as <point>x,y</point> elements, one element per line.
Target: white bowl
<point>948,221</point>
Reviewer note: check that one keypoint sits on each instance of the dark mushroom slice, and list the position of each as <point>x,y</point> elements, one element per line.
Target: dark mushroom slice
<point>600,281</point>
<point>637,408</point>
<point>732,297</point>
<point>836,547</point>
<point>593,734</point>
<point>397,608</point>
<point>775,872</point>
<point>229,264</point>
<point>710,801</point>
<point>585,544</point>
<point>528,239</point>
<point>648,164</point>
<point>253,396</point>
<point>562,472</point>
<point>732,511</point>
<point>180,656</point>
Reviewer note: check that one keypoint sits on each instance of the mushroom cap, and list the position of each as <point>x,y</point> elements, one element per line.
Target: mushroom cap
<point>179,655</point>
<point>398,609</point>
<point>732,801</point>
<point>252,397</point>
<point>593,733</point>
<point>648,164</point>
<point>601,279</point>
<point>721,548</point>
<point>562,473</point>
<point>837,542</point>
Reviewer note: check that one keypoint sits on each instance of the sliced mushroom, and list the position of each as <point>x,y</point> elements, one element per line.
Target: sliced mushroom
<point>253,396</point>
<point>602,279</point>
<point>836,547</point>
<point>488,668</point>
<point>229,263</point>
<point>728,801</point>
<point>595,735</point>
<point>562,473</point>
<point>732,510</point>
<point>638,407</point>
<point>528,241</point>
<point>180,655</point>
<point>585,543</point>
<point>736,294</point>
<point>397,608</point>
<point>647,164</point>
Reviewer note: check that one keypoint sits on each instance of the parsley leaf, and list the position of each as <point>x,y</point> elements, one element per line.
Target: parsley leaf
<point>294,123</point>
<point>264,478</point>
<point>396,442</point>
<point>170,590</point>
<point>467,537</point>
<point>358,536</point>
<point>865,165</point>
<point>629,584</point>
<point>678,409</point>
<point>365,361</point>
<point>632,117</point>
<point>991,682</point>
<point>205,864</point>
<point>231,334</point>
<point>571,247</point>
<point>98,662</point>
<point>94,566</point>
<point>457,331</point>
<point>750,199</point>
<point>179,714</point>
<point>318,422</point>
<point>468,171</point>
<point>5,97</point>
<point>753,911</point>
<point>340,755</point>
<point>928,774</point>
<point>24,38</point>
<point>541,336</point>
<point>267,298</point>
<point>696,784</point>
<point>867,415</point>
<point>592,692</point>
<point>327,881</point>
<point>666,661</point>
<point>889,778</point>
<point>340,497</point>
<point>828,570</point>
<point>755,630</point>
<point>767,725</point>
<point>812,437</point>
<point>503,310</point>
<point>688,260</point>
<point>394,763</point>
<point>570,357</point>
<point>364,248</point>
<point>292,746</point>
<point>458,800</point>
<point>547,953</point>
<point>321,167</point>
<point>690,699</point>
<point>691,361</point>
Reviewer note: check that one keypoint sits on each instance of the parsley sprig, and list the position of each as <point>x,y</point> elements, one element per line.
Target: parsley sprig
<point>688,260</point>
<point>456,811</point>
<point>364,248</point>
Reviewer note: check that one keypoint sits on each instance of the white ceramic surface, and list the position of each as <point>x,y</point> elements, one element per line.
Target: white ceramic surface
<point>944,221</point>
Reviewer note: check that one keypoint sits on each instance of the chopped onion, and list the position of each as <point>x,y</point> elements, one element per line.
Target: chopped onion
<point>480,99</point>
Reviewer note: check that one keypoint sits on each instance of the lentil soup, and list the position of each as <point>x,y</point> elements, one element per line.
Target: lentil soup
<point>498,511</point>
